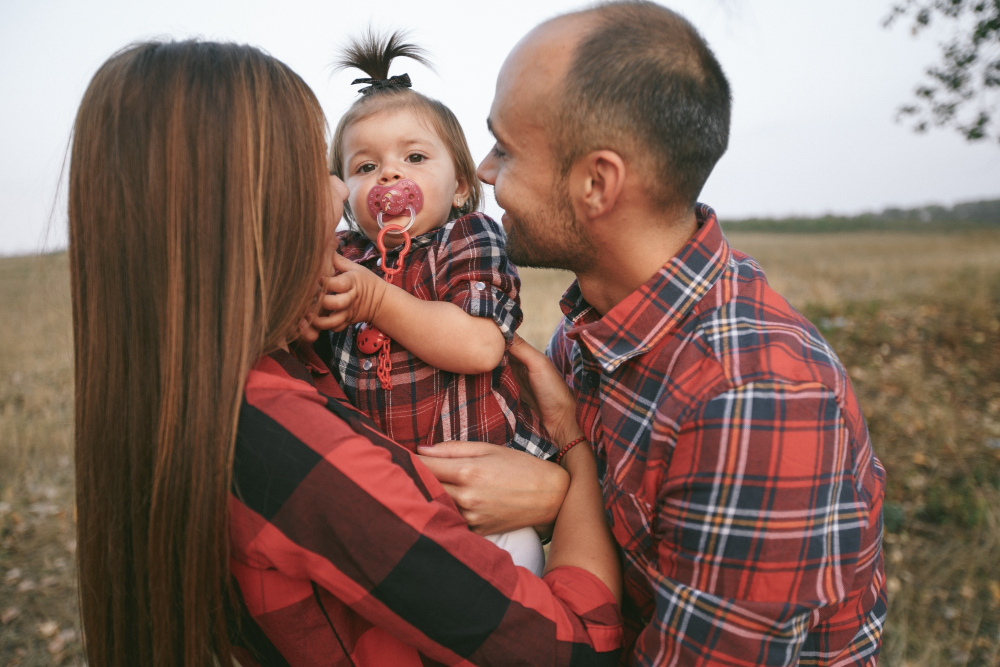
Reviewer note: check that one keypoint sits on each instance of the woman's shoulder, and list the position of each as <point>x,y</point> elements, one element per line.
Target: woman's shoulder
<point>295,392</point>
<point>290,419</point>
<point>283,387</point>
<point>283,370</point>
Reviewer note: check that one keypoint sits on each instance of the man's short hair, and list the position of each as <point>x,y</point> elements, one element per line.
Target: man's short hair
<point>644,83</point>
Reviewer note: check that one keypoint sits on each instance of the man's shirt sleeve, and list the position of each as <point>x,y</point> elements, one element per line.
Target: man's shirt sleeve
<point>758,532</point>
<point>315,501</point>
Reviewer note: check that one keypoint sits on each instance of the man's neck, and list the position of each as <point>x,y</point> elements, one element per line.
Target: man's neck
<point>628,258</point>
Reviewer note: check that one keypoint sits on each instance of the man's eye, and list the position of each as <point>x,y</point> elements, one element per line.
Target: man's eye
<point>497,153</point>
<point>366,168</point>
<point>415,158</point>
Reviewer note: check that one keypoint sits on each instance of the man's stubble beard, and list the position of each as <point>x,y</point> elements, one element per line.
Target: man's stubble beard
<point>551,239</point>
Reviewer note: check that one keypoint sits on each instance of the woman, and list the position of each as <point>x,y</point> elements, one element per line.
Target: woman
<point>212,448</point>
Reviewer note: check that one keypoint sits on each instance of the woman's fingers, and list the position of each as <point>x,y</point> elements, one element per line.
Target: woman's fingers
<point>455,461</point>
<point>447,471</point>
<point>475,519</point>
<point>497,488</point>
<point>454,449</point>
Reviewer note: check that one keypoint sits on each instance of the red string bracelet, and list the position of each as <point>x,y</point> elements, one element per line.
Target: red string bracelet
<point>562,452</point>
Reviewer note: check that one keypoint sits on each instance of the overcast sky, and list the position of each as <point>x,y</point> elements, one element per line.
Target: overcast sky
<point>815,85</point>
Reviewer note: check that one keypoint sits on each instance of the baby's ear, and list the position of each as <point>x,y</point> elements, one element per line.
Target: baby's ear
<point>461,193</point>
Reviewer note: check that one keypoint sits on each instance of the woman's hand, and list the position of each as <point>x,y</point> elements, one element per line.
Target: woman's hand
<point>497,489</point>
<point>545,391</point>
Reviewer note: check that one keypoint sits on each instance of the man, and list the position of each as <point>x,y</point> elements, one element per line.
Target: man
<point>738,474</point>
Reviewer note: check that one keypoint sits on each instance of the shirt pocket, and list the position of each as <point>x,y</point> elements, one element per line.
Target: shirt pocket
<point>632,520</point>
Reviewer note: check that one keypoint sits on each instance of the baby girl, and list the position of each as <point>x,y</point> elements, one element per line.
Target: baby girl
<point>425,301</point>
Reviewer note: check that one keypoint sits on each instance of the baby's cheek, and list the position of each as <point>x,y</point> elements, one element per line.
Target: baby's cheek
<point>368,227</point>
<point>363,220</point>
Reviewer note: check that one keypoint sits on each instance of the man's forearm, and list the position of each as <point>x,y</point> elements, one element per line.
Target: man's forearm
<point>581,536</point>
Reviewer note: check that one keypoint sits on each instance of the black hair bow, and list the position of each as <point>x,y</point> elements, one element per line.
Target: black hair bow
<point>401,81</point>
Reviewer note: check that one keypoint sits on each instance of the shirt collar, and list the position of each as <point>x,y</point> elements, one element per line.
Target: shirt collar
<point>648,314</point>
<point>371,251</point>
<point>302,355</point>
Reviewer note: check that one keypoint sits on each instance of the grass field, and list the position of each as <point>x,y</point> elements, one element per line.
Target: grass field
<point>915,317</point>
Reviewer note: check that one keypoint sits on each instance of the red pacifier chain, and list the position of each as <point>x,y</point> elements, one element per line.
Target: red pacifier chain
<point>393,200</point>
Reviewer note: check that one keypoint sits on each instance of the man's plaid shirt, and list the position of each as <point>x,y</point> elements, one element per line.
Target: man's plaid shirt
<point>738,474</point>
<point>348,551</point>
<point>463,263</point>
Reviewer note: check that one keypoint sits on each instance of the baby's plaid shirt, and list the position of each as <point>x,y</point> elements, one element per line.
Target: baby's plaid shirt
<point>463,263</point>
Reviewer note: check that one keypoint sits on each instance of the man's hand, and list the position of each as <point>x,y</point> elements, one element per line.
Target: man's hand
<point>497,489</point>
<point>354,294</point>
<point>545,391</point>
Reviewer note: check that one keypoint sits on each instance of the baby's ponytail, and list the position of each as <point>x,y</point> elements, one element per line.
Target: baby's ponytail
<point>373,54</point>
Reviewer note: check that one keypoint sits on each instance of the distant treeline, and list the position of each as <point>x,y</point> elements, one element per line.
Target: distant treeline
<point>961,217</point>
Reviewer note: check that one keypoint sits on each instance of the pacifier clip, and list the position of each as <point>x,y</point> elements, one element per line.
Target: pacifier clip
<point>395,199</point>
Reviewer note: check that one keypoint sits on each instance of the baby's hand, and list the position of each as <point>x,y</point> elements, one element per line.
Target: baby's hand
<point>353,295</point>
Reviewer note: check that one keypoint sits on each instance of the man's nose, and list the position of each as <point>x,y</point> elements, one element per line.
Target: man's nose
<point>486,171</point>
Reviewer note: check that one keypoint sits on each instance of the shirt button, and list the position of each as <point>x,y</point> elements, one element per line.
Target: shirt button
<point>591,380</point>
<point>480,285</point>
<point>366,364</point>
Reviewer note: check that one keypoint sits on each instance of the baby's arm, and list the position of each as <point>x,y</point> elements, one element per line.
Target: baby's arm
<point>438,332</point>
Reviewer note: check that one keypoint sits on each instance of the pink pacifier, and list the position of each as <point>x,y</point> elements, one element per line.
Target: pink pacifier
<point>395,199</point>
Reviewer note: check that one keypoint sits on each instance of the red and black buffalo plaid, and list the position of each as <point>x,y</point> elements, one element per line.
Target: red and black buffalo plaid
<point>463,263</point>
<point>737,470</point>
<point>347,550</point>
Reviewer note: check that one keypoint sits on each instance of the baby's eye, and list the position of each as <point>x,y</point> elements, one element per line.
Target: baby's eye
<point>415,158</point>
<point>366,168</point>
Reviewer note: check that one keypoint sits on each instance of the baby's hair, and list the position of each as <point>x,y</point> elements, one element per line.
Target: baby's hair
<point>372,54</point>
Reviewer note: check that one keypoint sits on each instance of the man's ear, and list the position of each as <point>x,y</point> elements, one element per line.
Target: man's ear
<point>600,180</point>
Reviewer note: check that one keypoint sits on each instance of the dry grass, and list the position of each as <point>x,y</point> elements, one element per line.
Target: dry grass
<point>927,372</point>
<point>38,591</point>
<point>914,317</point>
<point>838,268</point>
<point>540,292</point>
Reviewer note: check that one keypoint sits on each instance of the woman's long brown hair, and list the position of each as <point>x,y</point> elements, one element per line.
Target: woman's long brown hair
<point>198,209</point>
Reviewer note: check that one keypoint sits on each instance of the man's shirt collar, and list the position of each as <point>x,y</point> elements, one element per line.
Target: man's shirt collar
<point>645,316</point>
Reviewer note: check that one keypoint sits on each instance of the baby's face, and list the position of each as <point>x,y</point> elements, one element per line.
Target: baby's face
<point>390,146</point>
